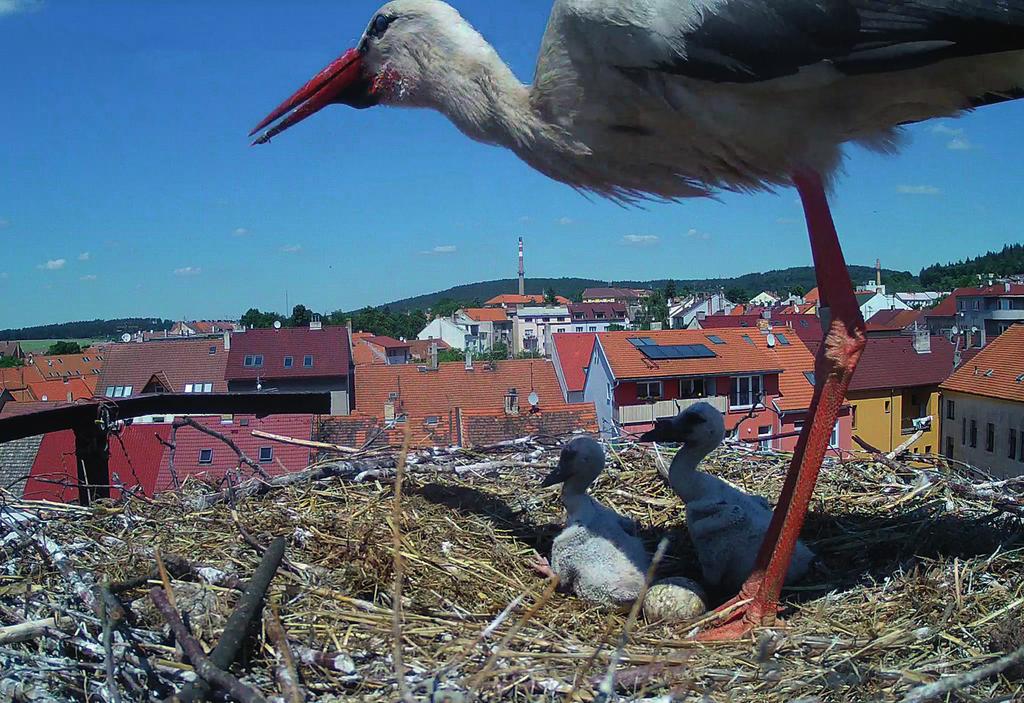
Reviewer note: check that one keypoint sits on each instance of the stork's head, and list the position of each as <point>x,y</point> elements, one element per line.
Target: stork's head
<point>579,465</point>
<point>700,426</point>
<point>402,58</point>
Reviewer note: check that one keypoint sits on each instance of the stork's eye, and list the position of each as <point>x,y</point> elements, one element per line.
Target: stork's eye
<point>380,25</point>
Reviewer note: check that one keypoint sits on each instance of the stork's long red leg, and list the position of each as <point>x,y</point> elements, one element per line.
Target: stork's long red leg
<point>834,366</point>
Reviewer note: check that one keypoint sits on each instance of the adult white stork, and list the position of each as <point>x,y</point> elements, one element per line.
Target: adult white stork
<point>669,99</point>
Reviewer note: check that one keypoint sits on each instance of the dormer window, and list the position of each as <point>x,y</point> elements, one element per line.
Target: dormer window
<point>289,362</point>
<point>307,361</point>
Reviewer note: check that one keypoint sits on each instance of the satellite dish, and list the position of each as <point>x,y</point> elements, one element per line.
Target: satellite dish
<point>533,398</point>
<point>771,339</point>
<point>126,337</point>
<point>954,331</point>
<point>277,324</point>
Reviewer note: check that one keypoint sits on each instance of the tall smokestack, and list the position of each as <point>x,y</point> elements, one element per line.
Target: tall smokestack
<point>522,270</point>
<point>878,272</point>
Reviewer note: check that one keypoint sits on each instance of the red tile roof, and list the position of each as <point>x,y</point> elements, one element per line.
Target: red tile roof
<point>891,362</point>
<point>947,308</point>
<point>136,457</point>
<point>286,458</point>
<point>997,371</point>
<point>18,377</point>
<point>328,346</point>
<point>86,364</point>
<point>795,359</point>
<point>482,428</point>
<point>178,361</point>
<point>387,342</point>
<point>893,320</point>
<point>59,390</point>
<point>813,296</point>
<point>420,348</point>
<point>574,351</point>
<point>530,299</point>
<point>735,356</point>
<point>590,311</point>
<point>487,314</point>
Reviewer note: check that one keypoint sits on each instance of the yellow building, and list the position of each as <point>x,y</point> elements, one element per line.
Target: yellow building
<point>895,392</point>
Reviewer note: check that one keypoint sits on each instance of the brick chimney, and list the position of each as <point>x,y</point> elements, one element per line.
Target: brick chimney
<point>922,340</point>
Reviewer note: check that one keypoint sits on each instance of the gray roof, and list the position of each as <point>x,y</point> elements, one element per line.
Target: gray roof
<point>16,459</point>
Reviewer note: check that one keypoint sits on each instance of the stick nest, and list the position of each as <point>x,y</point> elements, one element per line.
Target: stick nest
<point>921,578</point>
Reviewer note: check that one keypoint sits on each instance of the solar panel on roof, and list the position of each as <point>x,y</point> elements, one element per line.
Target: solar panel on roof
<point>641,341</point>
<point>677,351</point>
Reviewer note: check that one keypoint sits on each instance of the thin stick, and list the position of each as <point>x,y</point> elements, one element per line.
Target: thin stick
<point>108,650</point>
<point>607,688</point>
<point>286,673</point>
<point>172,445</point>
<point>202,664</point>
<point>396,535</point>
<point>950,684</point>
<point>164,578</point>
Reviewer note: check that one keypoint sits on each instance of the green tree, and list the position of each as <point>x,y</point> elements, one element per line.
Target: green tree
<point>670,290</point>
<point>446,307</point>
<point>10,362</point>
<point>257,319</point>
<point>550,297</point>
<point>64,348</point>
<point>615,327</point>
<point>301,316</point>
<point>738,295</point>
<point>448,355</point>
<point>499,352</point>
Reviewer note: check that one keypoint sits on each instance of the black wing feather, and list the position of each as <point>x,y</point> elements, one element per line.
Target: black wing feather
<point>754,40</point>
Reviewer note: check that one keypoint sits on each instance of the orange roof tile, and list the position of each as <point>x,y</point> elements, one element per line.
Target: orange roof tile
<point>58,390</point>
<point>486,314</point>
<point>88,362</point>
<point>813,296</point>
<point>530,299</point>
<point>795,360</point>
<point>737,355</point>
<point>574,351</point>
<point>997,371</point>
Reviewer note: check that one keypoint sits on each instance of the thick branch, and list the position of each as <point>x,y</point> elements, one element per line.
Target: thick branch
<point>237,626</point>
<point>202,664</point>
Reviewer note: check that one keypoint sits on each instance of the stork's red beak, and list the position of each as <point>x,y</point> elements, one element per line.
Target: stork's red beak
<point>341,81</point>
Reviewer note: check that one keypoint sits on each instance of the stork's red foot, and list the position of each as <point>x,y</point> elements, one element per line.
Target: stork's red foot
<point>741,615</point>
<point>542,566</point>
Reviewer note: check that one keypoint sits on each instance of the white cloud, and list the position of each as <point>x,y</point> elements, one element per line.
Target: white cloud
<point>640,240</point>
<point>10,7</point>
<point>84,256</point>
<point>694,234</point>
<point>440,250</point>
<point>188,271</point>
<point>292,249</point>
<point>918,190</point>
<point>942,128</point>
<point>89,277</point>
<point>240,232</point>
<point>565,221</point>
<point>959,144</point>
<point>53,265</point>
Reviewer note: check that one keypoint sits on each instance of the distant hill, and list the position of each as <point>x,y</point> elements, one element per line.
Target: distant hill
<point>87,329</point>
<point>800,277</point>
<point>1007,262</point>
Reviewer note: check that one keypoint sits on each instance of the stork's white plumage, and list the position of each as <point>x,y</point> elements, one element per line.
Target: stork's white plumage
<point>668,99</point>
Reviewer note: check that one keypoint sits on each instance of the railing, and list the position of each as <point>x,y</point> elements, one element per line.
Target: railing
<point>910,426</point>
<point>649,412</point>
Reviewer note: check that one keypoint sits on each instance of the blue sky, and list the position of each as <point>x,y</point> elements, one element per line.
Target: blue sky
<point>127,185</point>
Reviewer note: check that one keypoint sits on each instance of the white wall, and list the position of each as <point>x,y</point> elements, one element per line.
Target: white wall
<point>599,390</point>
<point>1005,415</point>
<point>445,330</point>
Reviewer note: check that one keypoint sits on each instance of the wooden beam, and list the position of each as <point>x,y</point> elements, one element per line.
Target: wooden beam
<point>92,459</point>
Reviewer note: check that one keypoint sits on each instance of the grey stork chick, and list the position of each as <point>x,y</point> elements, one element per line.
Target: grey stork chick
<point>727,526</point>
<point>598,555</point>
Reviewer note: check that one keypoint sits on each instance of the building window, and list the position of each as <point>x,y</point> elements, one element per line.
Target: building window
<point>213,351</point>
<point>853,416</point>
<point>205,456</point>
<point>763,433</point>
<point>950,410</point>
<point>266,455</point>
<point>289,362</point>
<point>990,437</point>
<point>199,388</point>
<point>1013,445</point>
<point>249,360</point>
<point>579,329</point>
<point>691,388</point>
<point>307,361</point>
<point>888,407</point>
<point>833,439</point>
<point>592,328</point>
<point>118,391</point>
<point>974,434</point>
<point>647,390</point>
<point>949,447</point>
<point>746,391</point>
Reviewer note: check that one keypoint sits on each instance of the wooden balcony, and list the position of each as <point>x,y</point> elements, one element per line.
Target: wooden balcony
<point>649,412</point>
